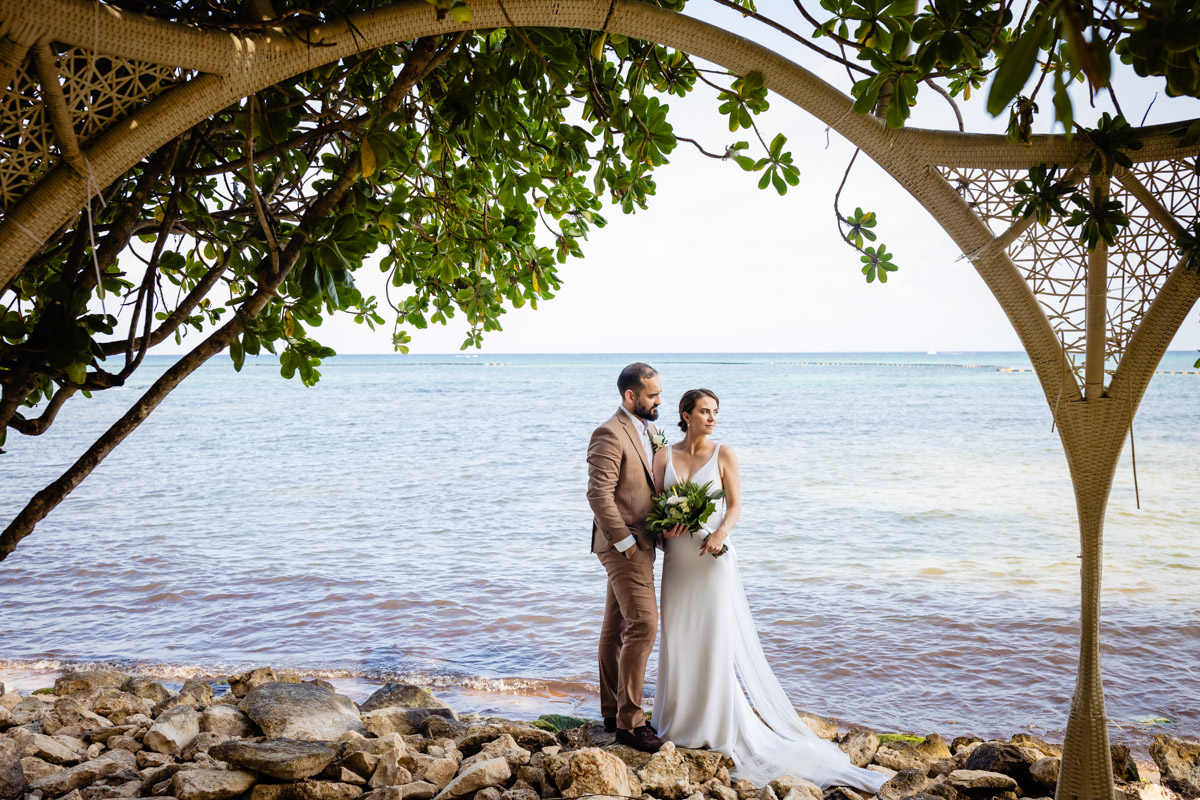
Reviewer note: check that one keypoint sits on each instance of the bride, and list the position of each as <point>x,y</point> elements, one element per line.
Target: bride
<point>709,640</point>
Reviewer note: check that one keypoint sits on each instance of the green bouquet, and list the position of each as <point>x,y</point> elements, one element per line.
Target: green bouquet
<point>686,504</point>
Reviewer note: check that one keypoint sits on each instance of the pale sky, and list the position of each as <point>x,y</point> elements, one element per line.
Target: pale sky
<point>715,264</point>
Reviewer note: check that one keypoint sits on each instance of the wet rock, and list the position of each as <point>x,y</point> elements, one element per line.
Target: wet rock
<point>282,759</point>
<point>301,711</point>
<point>934,748</point>
<point>173,730</point>
<point>1025,740</point>
<point>1178,764</point>
<point>526,736</point>
<point>228,720</point>
<point>241,685</point>
<point>906,783</point>
<point>962,742</point>
<point>595,771</point>
<point>306,790</point>
<point>85,774</point>
<point>1006,759</point>
<point>1124,767</point>
<point>477,776</point>
<point>861,745</point>
<point>823,727</point>
<point>405,695</point>
<point>211,784</point>
<point>72,682</point>
<point>12,775</point>
<point>146,689</point>
<point>667,775</point>
<point>980,779</point>
<point>404,721</point>
<point>68,715</point>
<point>900,755</point>
<point>1044,772</point>
<point>786,786</point>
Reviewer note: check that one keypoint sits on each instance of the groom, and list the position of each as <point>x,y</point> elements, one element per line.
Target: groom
<point>620,488</point>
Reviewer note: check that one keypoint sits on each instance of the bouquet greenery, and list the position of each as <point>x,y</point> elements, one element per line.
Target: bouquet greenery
<point>686,504</point>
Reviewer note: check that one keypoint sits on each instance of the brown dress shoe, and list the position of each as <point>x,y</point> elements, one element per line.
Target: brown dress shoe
<point>640,738</point>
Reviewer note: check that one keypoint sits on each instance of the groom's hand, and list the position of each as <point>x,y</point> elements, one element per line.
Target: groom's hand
<point>676,532</point>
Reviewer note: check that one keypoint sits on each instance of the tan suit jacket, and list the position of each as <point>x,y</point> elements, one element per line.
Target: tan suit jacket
<point>620,484</point>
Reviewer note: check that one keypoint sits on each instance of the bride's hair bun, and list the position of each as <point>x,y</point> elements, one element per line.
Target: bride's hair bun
<point>688,402</point>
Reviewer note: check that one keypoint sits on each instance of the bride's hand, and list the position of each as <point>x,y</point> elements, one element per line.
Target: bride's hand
<point>676,532</point>
<point>713,543</point>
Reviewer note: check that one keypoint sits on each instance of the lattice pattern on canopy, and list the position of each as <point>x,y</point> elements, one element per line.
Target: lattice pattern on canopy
<point>1055,263</point>
<point>99,90</point>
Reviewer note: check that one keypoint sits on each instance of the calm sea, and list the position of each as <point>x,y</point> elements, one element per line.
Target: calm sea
<point>908,541</point>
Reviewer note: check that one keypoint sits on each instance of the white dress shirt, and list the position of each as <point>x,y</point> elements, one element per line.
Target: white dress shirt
<point>643,428</point>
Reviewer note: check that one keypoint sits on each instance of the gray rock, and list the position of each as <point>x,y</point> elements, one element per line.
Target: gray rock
<point>526,736</point>
<point>1006,759</point>
<point>199,691</point>
<point>405,695</point>
<point>980,779</point>
<point>173,730</point>
<point>69,713</point>
<point>488,793</point>
<point>211,784</point>
<point>418,790</point>
<point>438,727</point>
<point>146,689</point>
<point>35,768</point>
<point>125,743</point>
<point>283,759</point>
<point>301,711</point>
<point>899,755</point>
<point>240,685</point>
<point>306,790</point>
<point>149,759</point>
<point>505,747</point>
<point>228,720</point>
<point>29,711</point>
<point>10,700</point>
<point>85,774</point>
<point>72,682</point>
<point>666,775</point>
<point>117,705</point>
<point>905,783</point>
<point>1045,772</point>
<point>388,771</point>
<point>961,742</point>
<point>47,748</point>
<point>12,776</point>
<point>861,745</point>
<point>1178,764</point>
<point>404,721</point>
<point>1124,767</point>
<point>202,743</point>
<point>476,777</point>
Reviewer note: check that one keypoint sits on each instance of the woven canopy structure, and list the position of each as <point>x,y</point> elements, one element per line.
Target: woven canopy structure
<point>90,90</point>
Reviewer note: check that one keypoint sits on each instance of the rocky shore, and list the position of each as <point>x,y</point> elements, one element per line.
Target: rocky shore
<point>109,736</point>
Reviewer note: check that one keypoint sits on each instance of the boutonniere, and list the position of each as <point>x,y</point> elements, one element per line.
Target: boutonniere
<point>658,441</point>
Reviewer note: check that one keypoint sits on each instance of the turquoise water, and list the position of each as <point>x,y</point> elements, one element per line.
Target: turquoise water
<point>908,541</point>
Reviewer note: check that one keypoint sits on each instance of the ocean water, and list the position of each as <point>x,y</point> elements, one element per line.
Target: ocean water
<point>908,540</point>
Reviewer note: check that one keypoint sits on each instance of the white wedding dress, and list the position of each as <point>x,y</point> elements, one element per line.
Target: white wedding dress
<point>708,641</point>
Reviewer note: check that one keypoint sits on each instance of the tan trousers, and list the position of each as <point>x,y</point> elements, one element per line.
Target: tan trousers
<point>627,635</point>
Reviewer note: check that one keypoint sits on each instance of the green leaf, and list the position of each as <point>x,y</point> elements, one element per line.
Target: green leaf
<point>1016,67</point>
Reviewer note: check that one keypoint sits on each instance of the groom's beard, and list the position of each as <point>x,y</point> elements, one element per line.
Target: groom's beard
<point>650,413</point>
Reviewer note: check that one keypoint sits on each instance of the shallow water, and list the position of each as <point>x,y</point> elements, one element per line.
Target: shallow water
<point>908,542</point>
